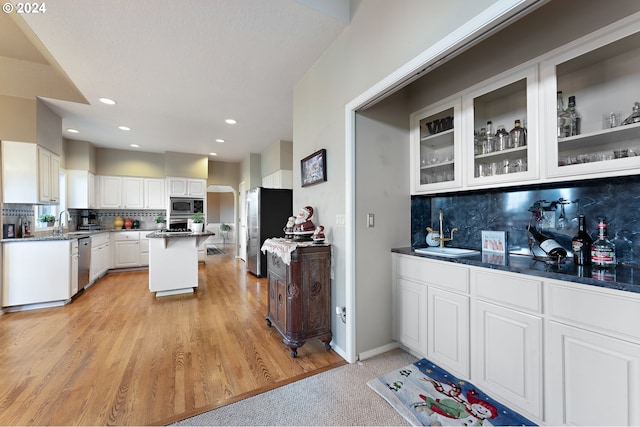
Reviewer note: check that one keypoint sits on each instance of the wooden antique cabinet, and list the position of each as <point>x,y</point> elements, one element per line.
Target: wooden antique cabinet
<point>300,296</point>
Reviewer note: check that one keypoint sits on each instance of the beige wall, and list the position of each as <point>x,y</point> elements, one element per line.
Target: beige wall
<point>224,173</point>
<point>278,156</point>
<point>18,119</point>
<point>129,163</point>
<point>251,171</point>
<point>220,208</point>
<point>382,37</point>
<point>186,165</point>
<point>49,133</point>
<point>80,155</point>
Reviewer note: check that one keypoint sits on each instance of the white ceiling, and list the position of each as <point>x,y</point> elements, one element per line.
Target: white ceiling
<point>178,69</point>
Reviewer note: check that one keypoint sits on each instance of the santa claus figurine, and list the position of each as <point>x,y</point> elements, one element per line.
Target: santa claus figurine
<point>288,229</point>
<point>318,235</point>
<point>303,223</point>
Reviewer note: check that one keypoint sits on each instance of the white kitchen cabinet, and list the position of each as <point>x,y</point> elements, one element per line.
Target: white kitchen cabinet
<point>110,192</point>
<point>448,329</point>
<point>121,192</point>
<point>508,97</point>
<point>508,348</point>
<point>432,311</point>
<point>436,147</point>
<point>30,174</point>
<point>154,193</point>
<point>126,249</point>
<point>600,70</point>
<point>593,361</point>
<point>411,327</point>
<point>81,189</point>
<point>279,179</point>
<point>100,256</point>
<point>47,284</point>
<point>190,187</point>
<point>144,249</point>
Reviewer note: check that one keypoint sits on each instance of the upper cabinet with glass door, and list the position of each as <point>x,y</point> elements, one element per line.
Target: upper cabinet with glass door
<point>436,154</point>
<point>500,143</point>
<point>601,74</point>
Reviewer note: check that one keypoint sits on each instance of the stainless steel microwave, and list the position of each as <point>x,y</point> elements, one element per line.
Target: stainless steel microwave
<point>186,206</point>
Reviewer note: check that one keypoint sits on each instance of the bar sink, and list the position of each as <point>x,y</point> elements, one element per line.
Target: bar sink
<point>447,252</point>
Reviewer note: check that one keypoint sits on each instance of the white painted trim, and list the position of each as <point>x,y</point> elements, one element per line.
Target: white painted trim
<point>472,31</point>
<point>376,351</point>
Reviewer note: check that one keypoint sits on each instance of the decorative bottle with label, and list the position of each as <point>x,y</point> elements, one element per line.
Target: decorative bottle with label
<point>603,251</point>
<point>581,244</point>
<point>548,244</point>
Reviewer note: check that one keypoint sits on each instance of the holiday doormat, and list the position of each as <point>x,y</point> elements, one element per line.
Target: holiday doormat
<point>212,250</point>
<point>427,395</point>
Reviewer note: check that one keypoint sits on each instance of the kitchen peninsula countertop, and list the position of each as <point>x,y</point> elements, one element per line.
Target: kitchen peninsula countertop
<point>69,235</point>
<point>177,234</point>
<point>621,278</point>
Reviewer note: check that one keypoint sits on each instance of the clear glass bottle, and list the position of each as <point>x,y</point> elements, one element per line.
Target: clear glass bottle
<point>574,118</point>
<point>489,146</point>
<point>518,135</point>
<point>562,114</point>
<point>624,249</point>
<point>603,251</point>
<point>503,140</point>
<point>581,244</point>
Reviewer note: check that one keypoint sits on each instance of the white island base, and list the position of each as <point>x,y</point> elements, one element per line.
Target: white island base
<point>173,263</point>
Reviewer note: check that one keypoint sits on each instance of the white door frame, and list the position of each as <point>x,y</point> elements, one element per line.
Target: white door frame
<point>491,20</point>
<point>242,222</point>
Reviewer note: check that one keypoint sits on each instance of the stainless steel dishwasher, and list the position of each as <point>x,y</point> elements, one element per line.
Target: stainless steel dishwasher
<point>84,261</point>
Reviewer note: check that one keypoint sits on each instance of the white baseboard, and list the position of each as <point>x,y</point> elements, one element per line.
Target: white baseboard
<point>339,350</point>
<point>376,351</point>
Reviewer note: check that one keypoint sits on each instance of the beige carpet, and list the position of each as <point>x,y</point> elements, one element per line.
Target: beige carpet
<point>338,397</point>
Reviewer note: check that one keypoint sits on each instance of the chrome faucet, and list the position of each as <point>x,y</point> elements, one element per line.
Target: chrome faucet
<point>60,221</point>
<point>440,232</point>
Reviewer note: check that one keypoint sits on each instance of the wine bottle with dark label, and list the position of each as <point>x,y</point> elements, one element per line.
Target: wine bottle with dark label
<point>548,244</point>
<point>581,244</point>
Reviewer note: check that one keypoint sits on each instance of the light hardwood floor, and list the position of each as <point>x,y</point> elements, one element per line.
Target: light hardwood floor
<point>118,356</point>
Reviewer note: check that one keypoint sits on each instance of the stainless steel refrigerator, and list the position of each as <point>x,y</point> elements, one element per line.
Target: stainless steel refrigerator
<point>267,212</point>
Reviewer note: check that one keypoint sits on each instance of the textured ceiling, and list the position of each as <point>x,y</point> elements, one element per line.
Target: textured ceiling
<point>178,69</point>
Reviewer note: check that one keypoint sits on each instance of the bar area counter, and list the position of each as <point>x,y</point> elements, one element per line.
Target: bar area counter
<point>173,261</point>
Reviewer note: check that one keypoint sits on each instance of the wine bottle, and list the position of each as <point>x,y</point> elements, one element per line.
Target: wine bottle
<point>547,244</point>
<point>581,244</point>
<point>603,251</point>
<point>563,116</point>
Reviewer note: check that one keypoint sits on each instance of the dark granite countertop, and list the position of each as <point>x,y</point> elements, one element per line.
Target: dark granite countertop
<point>70,235</point>
<point>177,234</point>
<point>621,278</point>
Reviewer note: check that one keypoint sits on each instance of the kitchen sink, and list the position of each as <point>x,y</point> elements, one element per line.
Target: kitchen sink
<point>447,252</point>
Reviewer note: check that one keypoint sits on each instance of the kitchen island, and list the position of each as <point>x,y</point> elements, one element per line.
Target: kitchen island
<point>173,261</point>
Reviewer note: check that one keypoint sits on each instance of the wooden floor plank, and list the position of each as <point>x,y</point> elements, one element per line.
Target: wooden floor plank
<point>119,356</point>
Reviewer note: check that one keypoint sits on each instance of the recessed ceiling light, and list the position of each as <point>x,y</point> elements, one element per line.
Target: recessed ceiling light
<point>220,140</point>
<point>230,121</point>
<point>107,101</point>
<point>213,154</point>
<point>124,128</point>
<point>72,130</point>
<point>135,146</point>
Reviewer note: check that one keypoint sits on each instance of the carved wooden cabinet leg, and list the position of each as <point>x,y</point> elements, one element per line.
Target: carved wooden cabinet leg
<point>299,303</point>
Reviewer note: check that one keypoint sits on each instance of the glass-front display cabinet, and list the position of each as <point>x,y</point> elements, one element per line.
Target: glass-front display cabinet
<point>501,138</point>
<point>435,148</point>
<point>594,85</point>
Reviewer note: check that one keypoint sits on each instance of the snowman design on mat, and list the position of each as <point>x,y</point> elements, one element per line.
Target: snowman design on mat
<point>466,412</point>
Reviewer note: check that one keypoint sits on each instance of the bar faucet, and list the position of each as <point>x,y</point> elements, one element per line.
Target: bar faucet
<point>440,232</point>
<point>60,221</point>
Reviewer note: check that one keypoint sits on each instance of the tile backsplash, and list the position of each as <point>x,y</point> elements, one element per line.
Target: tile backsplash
<point>512,209</point>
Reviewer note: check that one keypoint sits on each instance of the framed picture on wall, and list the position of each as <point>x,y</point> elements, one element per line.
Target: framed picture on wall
<point>8,231</point>
<point>313,168</point>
